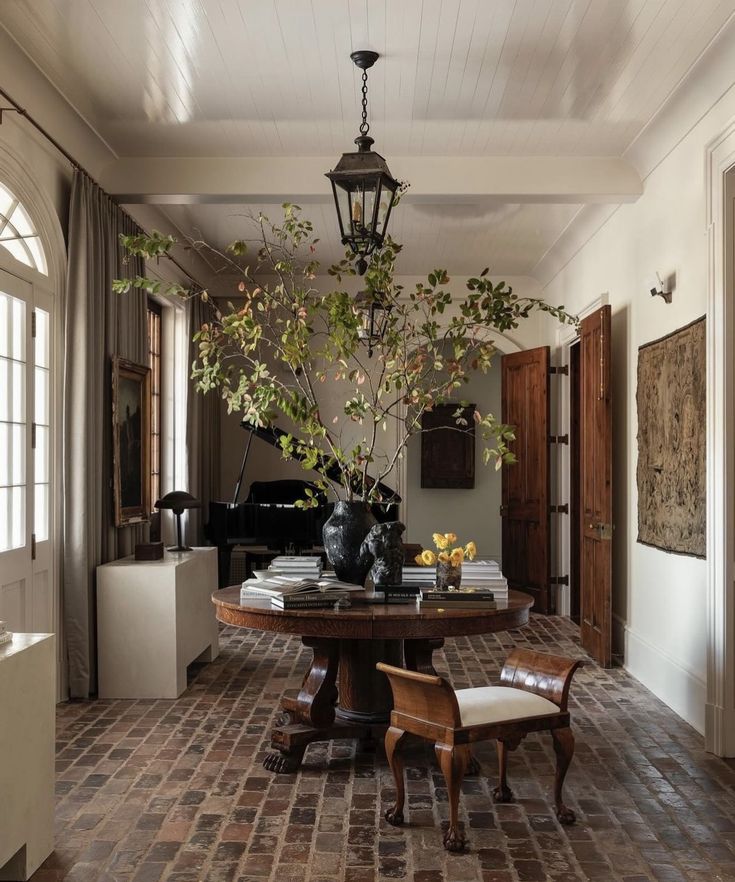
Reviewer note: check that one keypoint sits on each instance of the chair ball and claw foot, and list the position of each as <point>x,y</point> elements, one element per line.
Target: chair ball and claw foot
<point>532,698</point>
<point>283,763</point>
<point>502,793</point>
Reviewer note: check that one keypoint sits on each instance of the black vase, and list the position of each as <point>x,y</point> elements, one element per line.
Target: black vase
<point>346,527</point>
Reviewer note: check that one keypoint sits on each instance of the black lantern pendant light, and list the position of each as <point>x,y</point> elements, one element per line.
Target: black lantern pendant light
<point>364,189</point>
<point>375,309</point>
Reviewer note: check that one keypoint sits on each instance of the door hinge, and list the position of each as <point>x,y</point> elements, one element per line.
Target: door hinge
<point>33,436</point>
<point>604,531</point>
<point>33,323</point>
<point>562,369</point>
<point>503,511</point>
<point>559,509</point>
<point>33,546</point>
<point>559,580</point>
<point>558,439</point>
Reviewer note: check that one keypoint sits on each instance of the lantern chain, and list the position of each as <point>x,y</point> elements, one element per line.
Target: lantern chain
<point>364,125</point>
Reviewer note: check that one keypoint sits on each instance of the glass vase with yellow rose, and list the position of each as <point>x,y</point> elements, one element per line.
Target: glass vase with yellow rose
<point>448,560</point>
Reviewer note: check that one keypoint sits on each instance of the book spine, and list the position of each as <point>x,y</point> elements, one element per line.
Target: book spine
<point>436,604</point>
<point>456,597</point>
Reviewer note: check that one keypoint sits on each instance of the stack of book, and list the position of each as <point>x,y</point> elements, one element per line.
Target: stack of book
<point>420,576</point>
<point>485,575</point>
<point>463,598</point>
<point>299,566</point>
<point>5,635</point>
<point>286,592</point>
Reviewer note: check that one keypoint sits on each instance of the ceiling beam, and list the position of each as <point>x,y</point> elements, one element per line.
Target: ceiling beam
<point>451,179</point>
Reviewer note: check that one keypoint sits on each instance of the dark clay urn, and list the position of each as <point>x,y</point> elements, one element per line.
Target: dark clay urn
<point>343,534</point>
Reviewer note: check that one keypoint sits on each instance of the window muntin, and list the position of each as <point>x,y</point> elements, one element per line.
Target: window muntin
<point>13,366</point>
<point>42,424</point>
<point>18,235</point>
<point>154,362</point>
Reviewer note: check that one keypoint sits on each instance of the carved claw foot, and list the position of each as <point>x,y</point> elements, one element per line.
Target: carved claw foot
<point>565,815</point>
<point>474,767</point>
<point>282,763</point>
<point>454,840</point>
<point>394,816</point>
<point>502,793</point>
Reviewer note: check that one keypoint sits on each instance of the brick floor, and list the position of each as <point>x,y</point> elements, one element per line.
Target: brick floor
<point>174,791</point>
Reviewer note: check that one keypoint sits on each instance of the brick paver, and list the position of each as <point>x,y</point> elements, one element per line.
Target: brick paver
<point>174,791</point>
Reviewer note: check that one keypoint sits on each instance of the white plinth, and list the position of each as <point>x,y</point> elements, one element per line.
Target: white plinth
<point>153,619</point>
<point>27,731</point>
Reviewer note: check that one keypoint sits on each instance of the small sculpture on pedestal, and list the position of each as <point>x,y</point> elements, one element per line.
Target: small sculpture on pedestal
<point>383,544</point>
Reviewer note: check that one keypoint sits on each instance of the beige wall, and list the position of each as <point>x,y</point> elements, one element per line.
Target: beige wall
<point>471,514</point>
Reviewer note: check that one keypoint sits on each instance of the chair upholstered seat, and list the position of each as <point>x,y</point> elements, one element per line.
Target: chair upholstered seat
<point>497,704</point>
<point>533,697</point>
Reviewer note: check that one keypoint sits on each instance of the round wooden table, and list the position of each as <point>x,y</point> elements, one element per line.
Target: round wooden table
<point>342,695</point>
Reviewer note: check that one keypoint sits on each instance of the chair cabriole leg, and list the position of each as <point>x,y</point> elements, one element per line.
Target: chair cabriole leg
<point>564,750</point>
<point>393,739</point>
<point>502,793</point>
<point>453,761</point>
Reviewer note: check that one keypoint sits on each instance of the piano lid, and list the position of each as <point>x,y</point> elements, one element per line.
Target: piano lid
<point>272,436</point>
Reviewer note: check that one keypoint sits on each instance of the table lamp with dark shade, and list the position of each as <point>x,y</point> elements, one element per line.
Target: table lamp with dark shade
<point>178,501</point>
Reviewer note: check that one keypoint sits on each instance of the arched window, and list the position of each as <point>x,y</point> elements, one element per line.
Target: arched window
<point>18,235</point>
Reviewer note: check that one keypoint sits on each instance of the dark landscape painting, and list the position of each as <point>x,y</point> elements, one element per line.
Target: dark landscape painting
<point>131,412</point>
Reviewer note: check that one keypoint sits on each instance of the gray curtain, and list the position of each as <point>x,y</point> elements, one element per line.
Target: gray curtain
<point>202,434</point>
<point>98,325</point>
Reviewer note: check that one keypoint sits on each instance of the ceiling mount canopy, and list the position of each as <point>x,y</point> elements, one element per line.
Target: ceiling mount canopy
<point>363,187</point>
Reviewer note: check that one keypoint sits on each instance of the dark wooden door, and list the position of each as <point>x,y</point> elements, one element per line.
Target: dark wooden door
<point>596,486</point>
<point>525,508</point>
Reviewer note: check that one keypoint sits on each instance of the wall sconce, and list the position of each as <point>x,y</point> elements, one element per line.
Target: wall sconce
<point>659,288</point>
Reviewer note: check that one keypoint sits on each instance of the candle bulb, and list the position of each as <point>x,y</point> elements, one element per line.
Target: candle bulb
<point>356,212</point>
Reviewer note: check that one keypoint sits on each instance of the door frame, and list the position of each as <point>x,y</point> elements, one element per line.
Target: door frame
<point>20,178</point>
<point>719,725</point>
<point>566,337</point>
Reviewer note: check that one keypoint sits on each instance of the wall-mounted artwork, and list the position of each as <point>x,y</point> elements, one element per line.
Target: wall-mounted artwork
<point>672,416</point>
<point>448,448</point>
<point>131,438</point>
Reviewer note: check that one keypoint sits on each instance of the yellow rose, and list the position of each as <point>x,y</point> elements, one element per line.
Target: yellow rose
<point>457,556</point>
<point>470,550</point>
<point>419,560</point>
<point>440,541</point>
<point>428,558</point>
<point>450,537</point>
<point>443,557</point>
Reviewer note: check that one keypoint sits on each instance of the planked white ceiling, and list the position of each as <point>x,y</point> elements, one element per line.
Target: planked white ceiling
<point>258,77</point>
<point>456,78</point>
<point>463,239</point>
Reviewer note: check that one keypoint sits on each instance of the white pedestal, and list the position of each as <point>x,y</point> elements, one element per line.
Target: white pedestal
<point>153,619</point>
<point>27,730</point>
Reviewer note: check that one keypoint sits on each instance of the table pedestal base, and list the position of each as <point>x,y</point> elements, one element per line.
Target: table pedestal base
<point>343,695</point>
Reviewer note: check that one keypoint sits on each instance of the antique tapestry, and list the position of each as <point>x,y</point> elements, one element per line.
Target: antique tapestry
<point>671,474</point>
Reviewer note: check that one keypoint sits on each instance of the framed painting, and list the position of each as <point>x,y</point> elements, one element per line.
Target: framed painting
<point>131,438</point>
<point>448,448</point>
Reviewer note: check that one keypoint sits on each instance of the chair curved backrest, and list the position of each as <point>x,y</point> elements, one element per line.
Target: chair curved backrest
<point>425,697</point>
<point>549,676</point>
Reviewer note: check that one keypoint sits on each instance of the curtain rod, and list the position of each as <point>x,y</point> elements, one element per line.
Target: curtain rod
<point>21,111</point>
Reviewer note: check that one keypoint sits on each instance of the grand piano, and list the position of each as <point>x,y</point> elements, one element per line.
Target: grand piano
<point>269,516</point>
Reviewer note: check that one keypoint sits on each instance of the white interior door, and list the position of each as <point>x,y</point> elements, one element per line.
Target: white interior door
<point>26,445</point>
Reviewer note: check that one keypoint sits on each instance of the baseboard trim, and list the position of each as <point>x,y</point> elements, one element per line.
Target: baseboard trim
<point>720,729</point>
<point>680,689</point>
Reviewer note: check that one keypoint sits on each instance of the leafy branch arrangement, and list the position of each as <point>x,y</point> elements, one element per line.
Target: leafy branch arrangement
<point>281,344</point>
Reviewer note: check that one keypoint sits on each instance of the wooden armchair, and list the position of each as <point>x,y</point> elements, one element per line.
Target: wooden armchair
<point>532,698</point>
